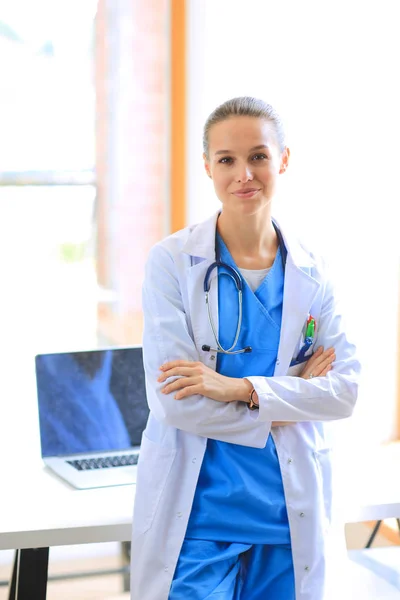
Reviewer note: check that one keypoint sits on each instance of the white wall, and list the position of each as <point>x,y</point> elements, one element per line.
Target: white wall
<point>331,70</point>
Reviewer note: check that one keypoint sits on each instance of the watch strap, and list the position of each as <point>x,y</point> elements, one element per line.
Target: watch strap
<point>252,405</point>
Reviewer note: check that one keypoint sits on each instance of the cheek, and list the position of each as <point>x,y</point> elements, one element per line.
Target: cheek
<point>268,178</point>
<point>222,181</point>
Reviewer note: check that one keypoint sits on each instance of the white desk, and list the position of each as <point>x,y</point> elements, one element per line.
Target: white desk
<point>370,490</point>
<point>44,511</point>
<point>41,511</point>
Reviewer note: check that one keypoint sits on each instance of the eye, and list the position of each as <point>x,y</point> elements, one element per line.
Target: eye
<point>227,160</point>
<point>259,156</point>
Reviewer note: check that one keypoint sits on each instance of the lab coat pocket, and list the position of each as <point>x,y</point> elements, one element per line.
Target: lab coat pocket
<point>323,459</point>
<point>295,370</point>
<point>154,466</point>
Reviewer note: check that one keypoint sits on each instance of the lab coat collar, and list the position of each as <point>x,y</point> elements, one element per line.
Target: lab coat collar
<point>201,240</point>
<point>201,243</point>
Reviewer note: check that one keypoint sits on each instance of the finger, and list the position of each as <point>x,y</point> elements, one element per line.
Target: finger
<point>321,355</point>
<point>320,366</point>
<point>315,361</point>
<point>177,372</point>
<point>317,354</point>
<point>177,363</point>
<point>192,390</point>
<point>317,373</point>
<point>179,384</point>
<point>328,361</point>
<point>318,370</point>
<point>311,365</point>
<point>188,391</point>
<point>326,371</point>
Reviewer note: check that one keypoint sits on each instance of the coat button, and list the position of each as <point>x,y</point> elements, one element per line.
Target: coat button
<point>302,515</point>
<point>179,514</point>
<point>290,460</point>
<point>278,362</point>
<point>306,568</point>
<point>212,357</point>
<point>165,569</point>
<point>193,460</point>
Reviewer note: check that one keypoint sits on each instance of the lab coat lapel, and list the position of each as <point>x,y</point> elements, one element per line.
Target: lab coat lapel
<point>201,247</point>
<point>202,331</point>
<point>300,290</point>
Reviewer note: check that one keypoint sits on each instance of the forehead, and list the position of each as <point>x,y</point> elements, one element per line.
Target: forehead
<point>239,133</point>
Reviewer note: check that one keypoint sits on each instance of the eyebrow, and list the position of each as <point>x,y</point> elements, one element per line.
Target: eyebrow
<point>260,147</point>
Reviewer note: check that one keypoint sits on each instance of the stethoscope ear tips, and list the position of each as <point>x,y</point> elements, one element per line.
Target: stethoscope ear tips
<point>248,349</point>
<point>206,348</point>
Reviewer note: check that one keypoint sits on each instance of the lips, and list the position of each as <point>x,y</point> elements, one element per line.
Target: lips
<point>246,193</point>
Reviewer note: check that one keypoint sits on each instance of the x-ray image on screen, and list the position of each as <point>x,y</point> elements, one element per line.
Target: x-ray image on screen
<point>91,401</point>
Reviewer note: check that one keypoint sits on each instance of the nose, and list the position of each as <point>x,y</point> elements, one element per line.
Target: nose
<point>243,173</point>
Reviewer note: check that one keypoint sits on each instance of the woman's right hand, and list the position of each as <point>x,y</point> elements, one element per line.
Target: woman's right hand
<point>319,364</point>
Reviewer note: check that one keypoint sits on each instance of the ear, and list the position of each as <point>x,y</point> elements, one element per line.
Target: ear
<point>284,160</point>
<point>207,166</point>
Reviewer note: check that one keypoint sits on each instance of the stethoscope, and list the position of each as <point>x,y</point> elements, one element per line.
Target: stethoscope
<point>238,281</point>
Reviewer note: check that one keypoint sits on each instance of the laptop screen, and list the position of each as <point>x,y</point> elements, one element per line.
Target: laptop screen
<point>91,401</point>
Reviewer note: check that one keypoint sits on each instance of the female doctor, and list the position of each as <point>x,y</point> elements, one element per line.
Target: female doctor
<point>247,363</point>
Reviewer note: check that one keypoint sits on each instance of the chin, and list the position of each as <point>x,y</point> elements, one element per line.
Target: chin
<point>249,208</point>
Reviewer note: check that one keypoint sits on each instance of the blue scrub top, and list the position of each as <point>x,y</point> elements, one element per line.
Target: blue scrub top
<point>239,495</point>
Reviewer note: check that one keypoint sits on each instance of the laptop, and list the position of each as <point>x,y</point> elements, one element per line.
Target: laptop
<point>92,413</point>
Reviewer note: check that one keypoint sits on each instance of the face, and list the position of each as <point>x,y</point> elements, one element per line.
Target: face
<point>244,163</point>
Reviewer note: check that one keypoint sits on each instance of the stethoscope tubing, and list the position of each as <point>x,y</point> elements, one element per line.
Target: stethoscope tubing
<point>232,272</point>
<point>238,328</point>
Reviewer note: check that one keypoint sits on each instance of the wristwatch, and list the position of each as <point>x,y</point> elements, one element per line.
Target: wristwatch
<point>252,405</point>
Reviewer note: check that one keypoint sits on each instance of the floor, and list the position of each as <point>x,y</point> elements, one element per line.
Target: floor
<point>363,583</point>
<point>109,587</point>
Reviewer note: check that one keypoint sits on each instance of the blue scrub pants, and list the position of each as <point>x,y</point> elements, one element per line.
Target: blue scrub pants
<point>233,571</point>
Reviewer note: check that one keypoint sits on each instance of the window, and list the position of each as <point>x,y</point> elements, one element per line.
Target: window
<point>47,181</point>
<point>47,197</point>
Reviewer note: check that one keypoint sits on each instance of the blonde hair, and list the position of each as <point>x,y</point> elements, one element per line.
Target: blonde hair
<point>248,107</point>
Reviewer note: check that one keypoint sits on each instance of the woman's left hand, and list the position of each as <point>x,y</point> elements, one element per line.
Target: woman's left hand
<point>197,378</point>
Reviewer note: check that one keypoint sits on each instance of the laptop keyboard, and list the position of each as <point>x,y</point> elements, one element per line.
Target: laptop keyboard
<point>104,462</point>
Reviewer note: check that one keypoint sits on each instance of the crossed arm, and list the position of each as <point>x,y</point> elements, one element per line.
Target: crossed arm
<point>193,377</point>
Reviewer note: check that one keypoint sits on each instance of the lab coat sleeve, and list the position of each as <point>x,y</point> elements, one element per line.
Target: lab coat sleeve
<point>327,398</point>
<point>167,337</point>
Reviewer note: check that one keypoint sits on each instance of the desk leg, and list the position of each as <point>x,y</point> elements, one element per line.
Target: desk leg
<point>373,534</point>
<point>29,578</point>
<point>126,559</point>
<point>13,583</point>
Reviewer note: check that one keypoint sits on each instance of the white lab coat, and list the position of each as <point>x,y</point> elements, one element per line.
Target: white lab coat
<point>174,442</point>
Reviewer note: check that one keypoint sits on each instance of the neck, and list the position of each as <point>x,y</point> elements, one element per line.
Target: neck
<point>248,237</point>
